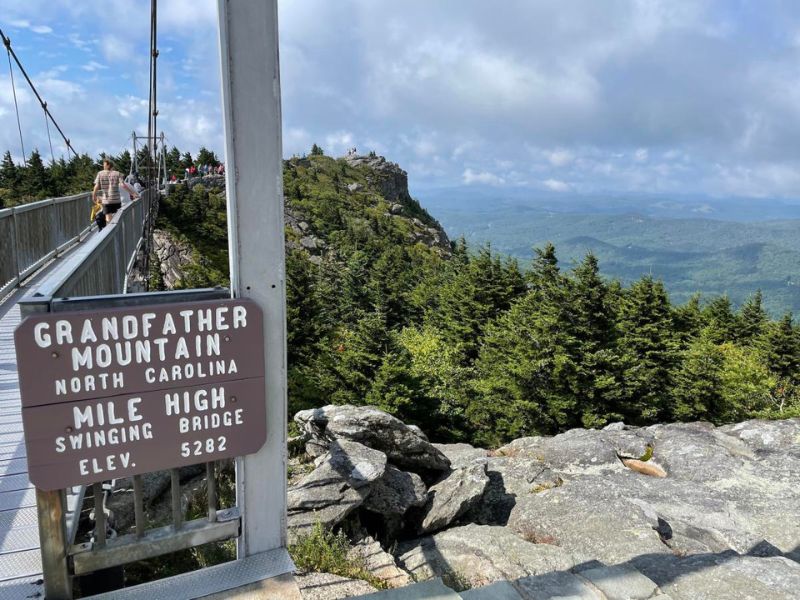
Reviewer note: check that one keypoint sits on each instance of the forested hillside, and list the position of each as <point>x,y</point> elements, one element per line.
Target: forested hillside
<point>691,246</point>
<point>383,311</point>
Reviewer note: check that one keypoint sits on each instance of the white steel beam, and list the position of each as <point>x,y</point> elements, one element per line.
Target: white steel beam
<point>252,106</point>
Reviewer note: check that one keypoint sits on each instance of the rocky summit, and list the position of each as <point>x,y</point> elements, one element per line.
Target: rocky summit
<point>680,511</point>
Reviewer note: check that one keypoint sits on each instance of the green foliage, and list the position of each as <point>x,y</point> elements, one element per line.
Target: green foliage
<point>470,346</point>
<point>35,180</point>
<point>323,551</point>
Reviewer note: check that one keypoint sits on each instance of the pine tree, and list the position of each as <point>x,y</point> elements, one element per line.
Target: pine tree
<point>9,181</point>
<point>752,319</point>
<point>316,151</point>
<point>720,321</point>
<point>688,320</point>
<point>35,182</point>
<point>698,384</point>
<point>597,391</point>
<point>648,350</point>
<point>207,157</point>
<point>782,349</point>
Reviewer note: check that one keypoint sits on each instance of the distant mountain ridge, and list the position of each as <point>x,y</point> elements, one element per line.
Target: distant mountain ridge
<point>735,256</point>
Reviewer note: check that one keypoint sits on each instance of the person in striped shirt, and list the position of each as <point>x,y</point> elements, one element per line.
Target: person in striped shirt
<point>106,189</point>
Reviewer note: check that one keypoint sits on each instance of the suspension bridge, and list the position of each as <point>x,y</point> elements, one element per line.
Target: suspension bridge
<point>53,260</point>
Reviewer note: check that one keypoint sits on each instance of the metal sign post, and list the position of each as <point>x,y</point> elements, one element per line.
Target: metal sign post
<point>252,108</point>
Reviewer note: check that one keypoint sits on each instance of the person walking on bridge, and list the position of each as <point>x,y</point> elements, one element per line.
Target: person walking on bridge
<point>106,188</point>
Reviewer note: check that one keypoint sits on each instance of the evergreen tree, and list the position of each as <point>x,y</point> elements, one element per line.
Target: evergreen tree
<point>782,349</point>
<point>349,362</point>
<point>698,384</point>
<point>721,323</point>
<point>752,319</point>
<point>186,160</point>
<point>35,183</point>
<point>648,348</point>
<point>9,181</point>
<point>173,160</point>
<point>597,391</point>
<point>207,157</point>
<point>316,151</point>
<point>688,321</point>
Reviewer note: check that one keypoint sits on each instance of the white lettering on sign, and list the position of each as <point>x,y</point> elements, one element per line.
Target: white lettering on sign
<point>94,466</point>
<point>108,373</point>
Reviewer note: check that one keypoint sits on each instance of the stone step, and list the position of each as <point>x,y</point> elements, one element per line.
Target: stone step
<point>500,590</point>
<point>427,590</point>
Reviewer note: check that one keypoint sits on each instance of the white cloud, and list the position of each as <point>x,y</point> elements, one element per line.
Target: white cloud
<point>640,155</point>
<point>41,29</point>
<point>339,142</point>
<point>560,157</point>
<point>556,185</point>
<point>470,177</point>
<point>93,65</point>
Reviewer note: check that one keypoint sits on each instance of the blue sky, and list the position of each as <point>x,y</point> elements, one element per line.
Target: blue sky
<point>665,96</point>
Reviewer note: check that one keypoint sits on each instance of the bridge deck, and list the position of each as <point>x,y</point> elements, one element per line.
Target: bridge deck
<point>20,560</point>
<point>20,557</point>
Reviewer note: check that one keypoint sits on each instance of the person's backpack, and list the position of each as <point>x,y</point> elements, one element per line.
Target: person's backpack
<point>97,216</point>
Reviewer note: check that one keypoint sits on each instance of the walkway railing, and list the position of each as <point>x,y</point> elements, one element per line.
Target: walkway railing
<point>31,234</point>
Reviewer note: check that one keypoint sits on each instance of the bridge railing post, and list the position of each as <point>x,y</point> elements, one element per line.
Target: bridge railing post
<point>254,184</point>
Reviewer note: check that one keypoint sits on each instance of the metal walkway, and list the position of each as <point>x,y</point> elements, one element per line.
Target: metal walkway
<point>20,557</point>
<point>20,560</point>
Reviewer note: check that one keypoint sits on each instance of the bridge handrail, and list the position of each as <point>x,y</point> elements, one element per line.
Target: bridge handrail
<point>101,265</point>
<point>34,233</point>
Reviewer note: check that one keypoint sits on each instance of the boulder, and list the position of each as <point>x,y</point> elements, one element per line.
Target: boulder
<point>454,496</point>
<point>460,455</point>
<point>337,486</point>
<point>396,492</point>
<point>584,450</point>
<point>479,554</point>
<point>376,429</point>
<point>379,563</point>
<point>765,437</point>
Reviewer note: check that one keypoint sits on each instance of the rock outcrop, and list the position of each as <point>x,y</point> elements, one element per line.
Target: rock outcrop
<point>678,511</point>
<point>173,256</point>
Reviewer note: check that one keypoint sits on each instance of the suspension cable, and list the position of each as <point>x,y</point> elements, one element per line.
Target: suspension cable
<point>12,54</point>
<point>7,43</point>
<point>49,139</point>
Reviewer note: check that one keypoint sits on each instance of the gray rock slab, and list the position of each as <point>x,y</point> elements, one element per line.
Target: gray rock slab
<point>620,582</point>
<point>500,590</point>
<point>427,590</point>
<point>558,585</point>
<point>325,586</point>
<point>510,478</point>
<point>479,555</point>
<point>338,485</point>
<point>454,496</point>
<point>593,517</point>
<point>376,429</point>
<point>379,563</point>
<point>724,576</point>
<point>460,455</point>
<point>396,492</point>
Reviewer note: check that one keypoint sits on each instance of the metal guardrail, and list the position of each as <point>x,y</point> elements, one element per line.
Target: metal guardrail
<point>31,234</point>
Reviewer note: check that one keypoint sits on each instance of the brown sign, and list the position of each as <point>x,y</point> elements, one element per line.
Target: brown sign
<point>124,391</point>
